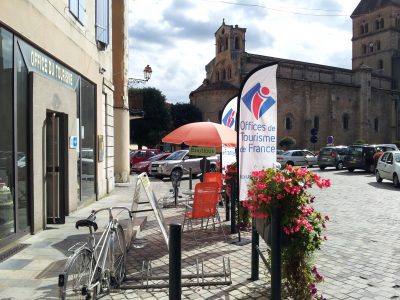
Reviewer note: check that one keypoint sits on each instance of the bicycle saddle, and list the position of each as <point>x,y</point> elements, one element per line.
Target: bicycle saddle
<point>89,222</point>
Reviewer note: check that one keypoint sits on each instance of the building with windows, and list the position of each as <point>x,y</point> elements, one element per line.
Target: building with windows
<point>63,75</point>
<point>361,103</point>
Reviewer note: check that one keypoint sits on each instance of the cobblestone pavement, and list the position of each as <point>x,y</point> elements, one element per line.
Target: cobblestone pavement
<point>359,260</point>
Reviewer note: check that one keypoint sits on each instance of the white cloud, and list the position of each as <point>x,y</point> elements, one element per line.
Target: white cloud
<point>176,37</point>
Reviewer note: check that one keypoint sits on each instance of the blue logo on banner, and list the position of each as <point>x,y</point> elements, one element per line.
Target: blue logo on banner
<point>258,100</point>
<point>229,118</point>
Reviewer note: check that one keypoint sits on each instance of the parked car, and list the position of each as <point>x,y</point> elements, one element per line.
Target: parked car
<point>388,167</point>
<point>332,157</point>
<point>179,163</point>
<point>143,166</point>
<point>141,155</point>
<point>362,156</point>
<point>297,158</point>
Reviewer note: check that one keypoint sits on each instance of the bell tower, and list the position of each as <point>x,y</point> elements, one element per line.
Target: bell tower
<point>230,44</point>
<point>376,38</point>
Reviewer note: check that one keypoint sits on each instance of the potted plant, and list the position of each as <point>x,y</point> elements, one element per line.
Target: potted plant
<point>303,228</point>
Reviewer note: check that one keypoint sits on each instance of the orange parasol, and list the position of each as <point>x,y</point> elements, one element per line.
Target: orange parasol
<point>205,134</point>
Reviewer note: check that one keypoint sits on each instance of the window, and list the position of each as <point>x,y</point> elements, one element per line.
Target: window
<point>345,121</point>
<point>377,24</point>
<point>78,10</point>
<point>229,73</point>
<point>316,122</point>
<point>226,43</point>
<point>376,124</point>
<point>390,159</point>
<point>378,45</point>
<point>237,43</point>
<point>364,49</point>
<point>223,74</point>
<point>366,27</point>
<point>102,25</point>
<point>384,157</point>
<point>371,47</point>
<point>288,123</point>
<point>381,23</point>
<point>380,64</point>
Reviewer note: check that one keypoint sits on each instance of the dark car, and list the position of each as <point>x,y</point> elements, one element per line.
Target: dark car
<point>362,156</point>
<point>142,155</point>
<point>332,157</point>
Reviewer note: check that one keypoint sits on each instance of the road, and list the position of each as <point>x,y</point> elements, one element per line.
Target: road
<point>360,260</point>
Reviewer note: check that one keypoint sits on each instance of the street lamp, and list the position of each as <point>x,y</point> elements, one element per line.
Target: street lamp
<point>146,73</point>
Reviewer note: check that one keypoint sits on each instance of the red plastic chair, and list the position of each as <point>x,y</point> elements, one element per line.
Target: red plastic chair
<point>215,177</point>
<point>206,196</point>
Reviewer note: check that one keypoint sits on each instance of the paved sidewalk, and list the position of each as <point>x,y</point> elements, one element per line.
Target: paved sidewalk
<point>32,273</point>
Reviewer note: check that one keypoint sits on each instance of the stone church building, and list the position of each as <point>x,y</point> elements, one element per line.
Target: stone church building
<point>361,103</point>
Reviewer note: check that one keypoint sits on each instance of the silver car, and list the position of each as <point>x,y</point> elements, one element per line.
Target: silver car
<point>178,163</point>
<point>297,158</point>
<point>388,167</point>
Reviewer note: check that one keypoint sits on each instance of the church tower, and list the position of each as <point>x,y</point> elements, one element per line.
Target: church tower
<point>376,38</point>
<point>229,47</point>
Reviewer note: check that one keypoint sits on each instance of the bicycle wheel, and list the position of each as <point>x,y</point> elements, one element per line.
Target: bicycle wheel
<point>118,259</point>
<point>77,273</point>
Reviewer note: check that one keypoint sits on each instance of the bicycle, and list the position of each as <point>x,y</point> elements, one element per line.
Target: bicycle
<point>94,268</point>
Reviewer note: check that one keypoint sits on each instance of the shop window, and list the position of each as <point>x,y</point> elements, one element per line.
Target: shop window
<point>102,23</point>
<point>88,139</point>
<point>6,134</point>
<point>346,121</point>
<point>376,124</point>
<point>78,10</point>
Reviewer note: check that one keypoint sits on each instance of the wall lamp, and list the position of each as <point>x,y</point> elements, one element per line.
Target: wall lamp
<point>146,73</point>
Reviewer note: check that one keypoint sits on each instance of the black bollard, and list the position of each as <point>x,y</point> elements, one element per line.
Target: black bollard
<point>175,255</point>
<point>255,242</point>
<point>233,206</point>
<point>227,207</point>
<point>276,253</point>
<point>190,179</point>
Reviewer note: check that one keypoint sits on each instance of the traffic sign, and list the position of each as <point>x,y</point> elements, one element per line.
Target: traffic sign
<point>314,139</point>
<point>314,131</point>
<point>329,140</point>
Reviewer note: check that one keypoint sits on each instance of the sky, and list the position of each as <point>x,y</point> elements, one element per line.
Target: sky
<point>176,37</point>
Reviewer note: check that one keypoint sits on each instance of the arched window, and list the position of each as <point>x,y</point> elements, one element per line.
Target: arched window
<point>217,75</point>
<point>382,23</point>
<point>346,121</point>
<point>364,49</point>
<point>237,43</point>
<point>223,75</point>
<point>220,46</point>
<point>376,124</point>
<point>316,122</point>
<point>229,73</point>
<point>288,122</point>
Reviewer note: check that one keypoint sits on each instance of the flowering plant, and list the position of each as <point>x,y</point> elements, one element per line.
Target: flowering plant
<point>302,227</point>
<point>243,215</point>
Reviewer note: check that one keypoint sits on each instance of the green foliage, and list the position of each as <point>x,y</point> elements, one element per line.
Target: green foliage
<point>360,141</point>
<point>287,142</point>
<point>156,122</point>
<point>184,113</point>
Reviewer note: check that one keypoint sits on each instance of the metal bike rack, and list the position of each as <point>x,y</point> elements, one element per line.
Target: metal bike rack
<point>201,277</point>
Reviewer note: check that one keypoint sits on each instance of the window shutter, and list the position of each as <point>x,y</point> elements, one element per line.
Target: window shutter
<point>102,17</point>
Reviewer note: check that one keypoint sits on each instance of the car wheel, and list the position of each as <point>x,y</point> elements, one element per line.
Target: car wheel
<point>378,176</point>
<point>350,169</point>
<point>396,181</point>
<point>339,165</point>
<point>322,167</point>
<point>177,173</point>
<point>290,163</point>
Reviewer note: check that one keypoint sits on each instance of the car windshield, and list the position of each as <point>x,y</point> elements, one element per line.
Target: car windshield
<point>178,155</point>
<point>397,157</point>
<point>287,153</point>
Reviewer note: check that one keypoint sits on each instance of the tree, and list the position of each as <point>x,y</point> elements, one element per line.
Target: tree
<point>287,142</point>
<point>156,122</point>
<point>184,113</point>
<point>360,141</point>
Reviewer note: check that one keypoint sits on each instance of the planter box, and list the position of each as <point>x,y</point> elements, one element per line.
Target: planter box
<point>263,227</point>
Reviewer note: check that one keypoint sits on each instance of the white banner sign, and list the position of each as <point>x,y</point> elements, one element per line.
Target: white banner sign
<point>229,119</point>
<point>257,125</point>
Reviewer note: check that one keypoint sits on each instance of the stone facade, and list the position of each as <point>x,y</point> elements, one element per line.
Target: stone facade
<point>347,104</point>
